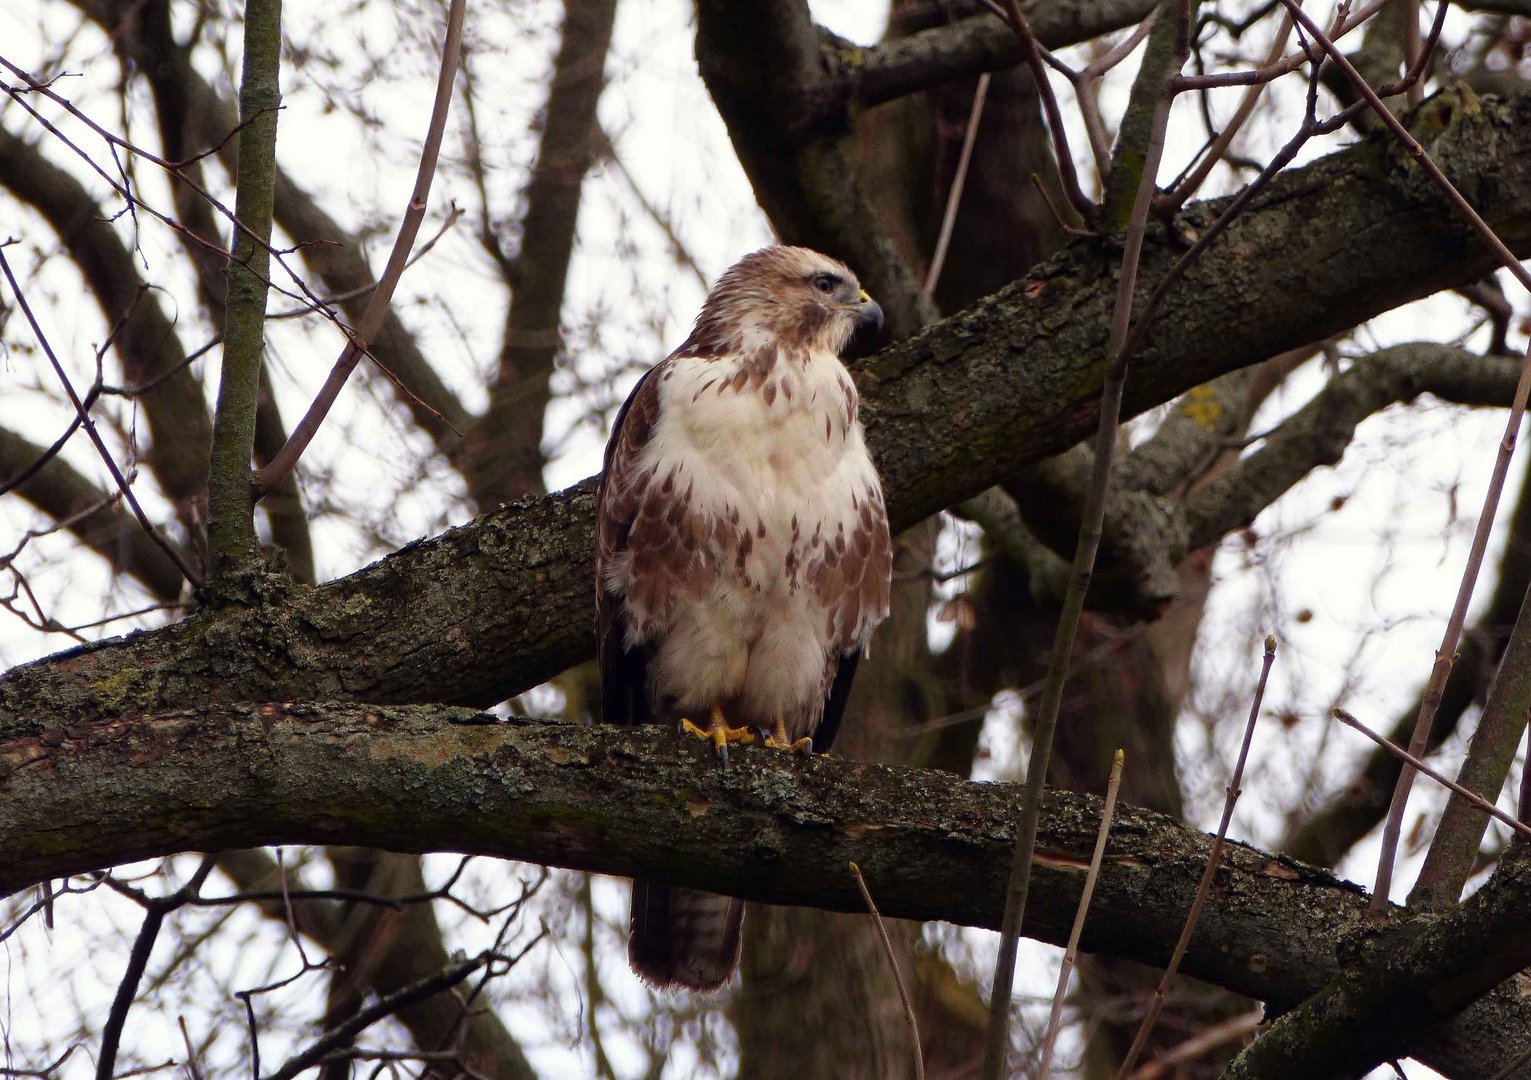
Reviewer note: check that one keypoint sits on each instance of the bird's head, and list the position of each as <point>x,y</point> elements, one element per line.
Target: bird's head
<point>789,296</point>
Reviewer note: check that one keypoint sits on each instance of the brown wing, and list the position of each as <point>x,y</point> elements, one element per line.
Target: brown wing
<point>624,671</point>
<point>856,588</point>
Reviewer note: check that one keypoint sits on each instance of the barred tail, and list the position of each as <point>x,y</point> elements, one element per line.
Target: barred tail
<point>683,937</point>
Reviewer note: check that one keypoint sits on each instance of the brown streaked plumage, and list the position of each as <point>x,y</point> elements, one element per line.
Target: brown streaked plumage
<point>742,548</point>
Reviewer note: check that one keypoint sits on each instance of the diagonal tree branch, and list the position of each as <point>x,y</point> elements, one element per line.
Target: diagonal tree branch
<point>482,612</point>
<point>327,249</point>
<point>1419,975</point>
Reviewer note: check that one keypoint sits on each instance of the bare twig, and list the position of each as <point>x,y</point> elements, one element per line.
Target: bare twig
<point>90,429</point>
<point>1414,762</point>
<point>1234,1028</point>
<point>1173,200</point>
<point>1086,83</point>
<point>1287,64</point>
<point>1413,54</point>
<point>48,1071</point>
<point>361,336</point>
<point>1055,1021</point>
<point>1204,886</point>
<point>342,1035</point>
<point>1077,198</point>
<point>1090,530</point>
<point>155,910</point>
<point>898,976</point>
<point>959,181</point>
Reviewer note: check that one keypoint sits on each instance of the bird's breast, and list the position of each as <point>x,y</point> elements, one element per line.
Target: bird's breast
<point>773,462</point>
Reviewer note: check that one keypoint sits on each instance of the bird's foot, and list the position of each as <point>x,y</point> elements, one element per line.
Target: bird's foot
<point>718,733</point>
<point>778,740</point>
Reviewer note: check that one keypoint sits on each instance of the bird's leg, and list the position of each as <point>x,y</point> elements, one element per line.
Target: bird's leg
<point>778,740</point>
<point>719,733</point>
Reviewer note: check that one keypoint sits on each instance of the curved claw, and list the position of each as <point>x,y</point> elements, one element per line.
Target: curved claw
<point>778,740</point>
<point>718,733</point>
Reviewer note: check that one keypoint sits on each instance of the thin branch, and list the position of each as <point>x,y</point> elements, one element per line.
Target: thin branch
<point>1077,198</point>
<point>127,990</point>
<point>1287,64</point>
<point>1204,886</point>
<point>898,976</point>
<point>1055,1020</point>
<point>377,306</point>
<point>90,429</point>
<point>1234,1028</point>
<point>1173,200</point>
<point>1090,530</point>
<point>1414,762</point>
<point>155,911</point>
<point>47,1072</point>
<point>1454,848</point>
<point>342,1035</point>
<point>959,181</point>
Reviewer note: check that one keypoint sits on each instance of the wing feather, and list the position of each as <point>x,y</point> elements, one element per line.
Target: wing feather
<point>624,669</point>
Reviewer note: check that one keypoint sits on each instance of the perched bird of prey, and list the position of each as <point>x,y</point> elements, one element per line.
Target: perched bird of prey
<point>742,551</point>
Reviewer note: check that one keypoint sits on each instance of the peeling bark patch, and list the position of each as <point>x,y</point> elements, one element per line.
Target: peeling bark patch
<point>1060,860</point>
<point>697,805</point>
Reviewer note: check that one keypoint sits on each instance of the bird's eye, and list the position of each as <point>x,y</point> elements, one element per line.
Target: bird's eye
<point>825,283</point>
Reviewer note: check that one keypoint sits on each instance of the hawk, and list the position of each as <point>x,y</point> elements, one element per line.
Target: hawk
<point>742,551</point>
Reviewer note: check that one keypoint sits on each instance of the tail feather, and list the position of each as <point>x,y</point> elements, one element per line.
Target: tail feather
<point>683,937</point>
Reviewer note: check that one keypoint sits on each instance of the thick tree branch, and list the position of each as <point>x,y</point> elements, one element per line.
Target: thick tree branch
<point>1384,1001</point>
<point>981,43</point>
<point>771,827</point>
<point>489,609</point>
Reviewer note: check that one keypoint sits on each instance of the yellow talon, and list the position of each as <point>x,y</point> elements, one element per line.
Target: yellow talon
<point>778,740</point>
<point>719,733</point>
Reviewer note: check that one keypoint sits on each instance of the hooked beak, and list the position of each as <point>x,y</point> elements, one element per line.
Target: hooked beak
<point>868,313</point>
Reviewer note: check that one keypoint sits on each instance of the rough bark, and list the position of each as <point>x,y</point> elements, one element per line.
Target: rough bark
<point>772,827</point>
<point>486,610</point>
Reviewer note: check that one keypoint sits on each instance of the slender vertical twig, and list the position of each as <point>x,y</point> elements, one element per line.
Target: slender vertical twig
<point>1204,886</point>
<point>286,458</point>
<point>1077,198</point>
<point>898,978</point>
<point>1454,847</point>
<point>959,181</point>
<point>1055,1020</point>
<point>230,494</point>
<point>1091,526</point>
<point>1408,11</point>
